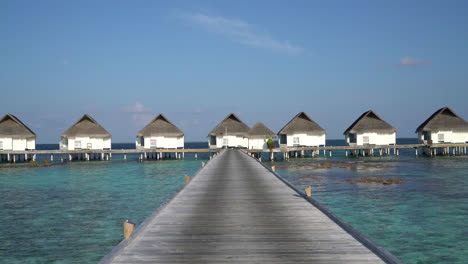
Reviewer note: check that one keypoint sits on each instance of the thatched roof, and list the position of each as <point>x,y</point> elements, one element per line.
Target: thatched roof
<point>86,126</point>
<point>443,119</point>
<point>160,126</point>
<point>370,122</point>
<point>259,130</point>
<point>10,126</point>
<point>302,123</point>
<point>232,125</point>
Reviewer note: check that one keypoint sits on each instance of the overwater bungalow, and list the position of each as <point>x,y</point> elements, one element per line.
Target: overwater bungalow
<point>443,126</point>
<point>370,129</point>
<point>302,131</point>
<point>259,135</point>
<point>14,135</point>
<point>86,133</point>
<point>230,133</point>
<point>160,133</point>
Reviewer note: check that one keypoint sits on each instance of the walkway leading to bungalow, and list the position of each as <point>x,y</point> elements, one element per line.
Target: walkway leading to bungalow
<point>237,211</point>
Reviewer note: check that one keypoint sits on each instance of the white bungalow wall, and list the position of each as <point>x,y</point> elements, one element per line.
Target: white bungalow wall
<point>447,136</point>
<point>258,143</point>
<point>163,142</point>
<point>233,142</point>
<point>374,139</point>
<point>18,143</point>
<point>96,143</point>
<point>305,140</point>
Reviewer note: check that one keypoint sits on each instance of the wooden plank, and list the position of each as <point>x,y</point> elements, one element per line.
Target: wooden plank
<point>236,211</point>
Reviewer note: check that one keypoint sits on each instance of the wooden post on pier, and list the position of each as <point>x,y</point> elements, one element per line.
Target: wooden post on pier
<point>346,153</point>
<point>416,149</point>
<point>196,155</point>
<point>203,164</point>
<point>125,156</point>
<point>51,157</point>
<point>273,168</point>
<point>308,191</point>
<point>187,178</point>
<point>330,153</point>
<point>128,229</point>
<point>260,159</point>
<point>398,152</point>
<point>14,158</point>
<point>34,157</point>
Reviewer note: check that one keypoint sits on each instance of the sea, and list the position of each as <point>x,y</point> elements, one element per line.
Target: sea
<point>74,212</point>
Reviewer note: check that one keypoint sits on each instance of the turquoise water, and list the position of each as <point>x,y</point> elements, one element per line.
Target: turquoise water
<point>422,220</point>
<point>74,213</point>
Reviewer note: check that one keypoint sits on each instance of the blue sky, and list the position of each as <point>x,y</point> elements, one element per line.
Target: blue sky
<point>125,62</point>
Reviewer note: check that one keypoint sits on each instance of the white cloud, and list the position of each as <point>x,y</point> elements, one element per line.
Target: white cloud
<point>241,32</point>
<point>409,61</point>
<point>140,113</point>
<point>135,108</point>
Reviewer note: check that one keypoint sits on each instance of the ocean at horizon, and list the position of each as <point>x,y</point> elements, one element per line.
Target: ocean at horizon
<point>73,213</point>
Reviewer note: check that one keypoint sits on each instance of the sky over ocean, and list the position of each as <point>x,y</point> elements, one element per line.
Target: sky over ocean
<point>125,62</point>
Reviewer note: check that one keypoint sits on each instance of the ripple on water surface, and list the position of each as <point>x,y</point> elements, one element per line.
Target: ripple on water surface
<point>421,220</point>
<point>74,213</point>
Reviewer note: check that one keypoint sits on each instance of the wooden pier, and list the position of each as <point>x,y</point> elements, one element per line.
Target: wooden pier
<point>452,149</point>
<point>89,154</point>
<point>236,210</point>
<point>157,154</point>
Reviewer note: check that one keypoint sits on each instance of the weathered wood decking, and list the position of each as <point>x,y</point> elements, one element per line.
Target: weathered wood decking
<point>237,211</point>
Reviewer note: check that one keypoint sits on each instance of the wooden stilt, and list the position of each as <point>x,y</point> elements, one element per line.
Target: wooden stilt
<point>187,178</point>
<point>308,191</point>
<point>128,229</point>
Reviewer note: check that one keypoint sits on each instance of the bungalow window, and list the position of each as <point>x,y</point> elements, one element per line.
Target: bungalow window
<point>213,140</point>
<point>296,140</point>
<point>426,135</point>
<point>441,137</point>
<point>352,138</point>
<point>283,139</point>
<point>153,143</point>
<point>77,144</point>
<point>225,141</point>
<point>90,145</point>
<point>365,140</point>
